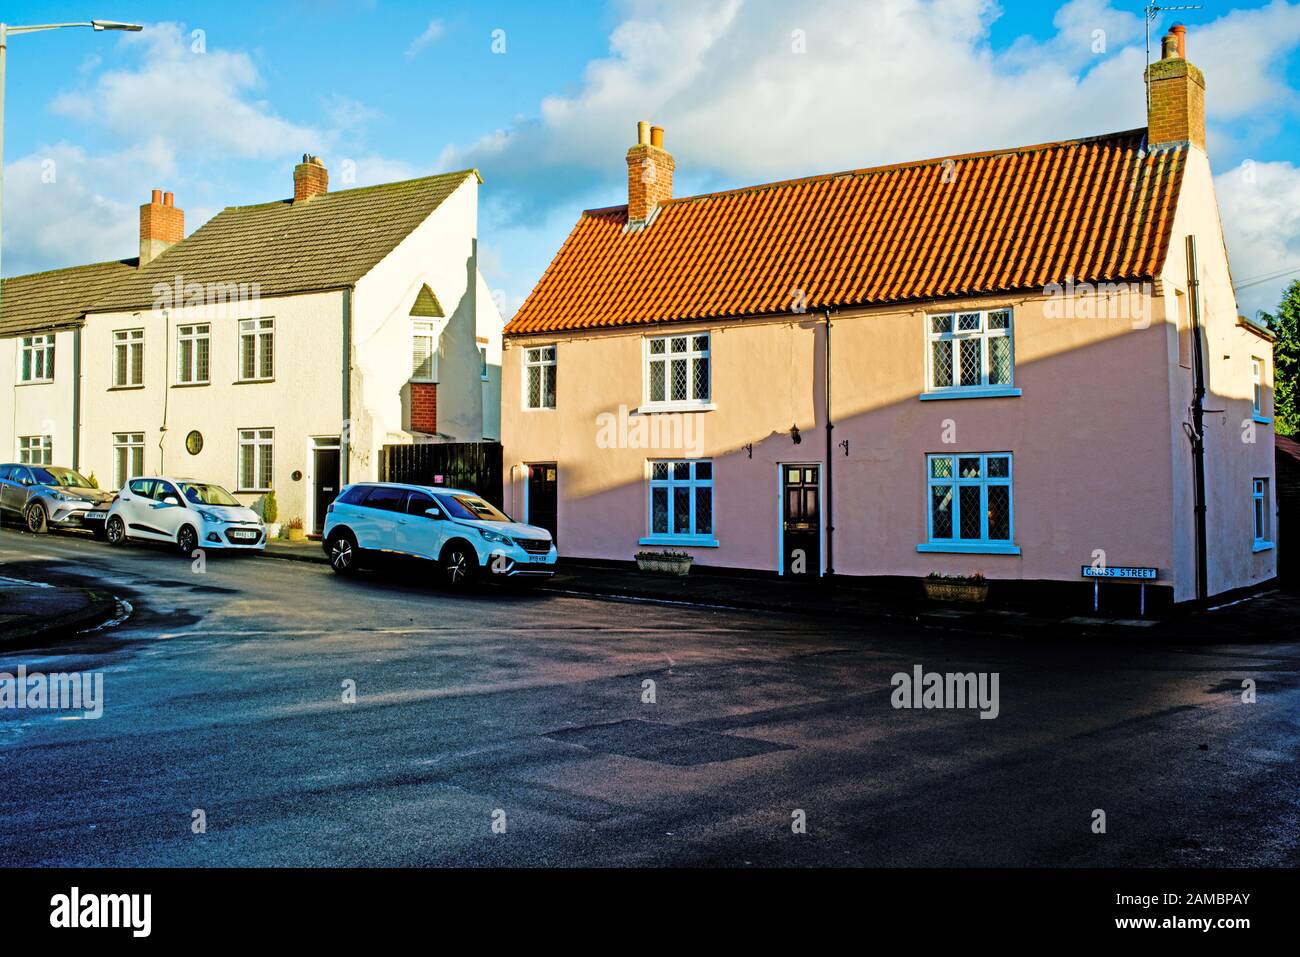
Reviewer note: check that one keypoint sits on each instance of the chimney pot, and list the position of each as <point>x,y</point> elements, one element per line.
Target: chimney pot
<point>1176,95</point>
<point>1168,46</point>
<point>162,225</point>
<point>1180,32</point>
<point>310,178</point>
<point>649,173</point>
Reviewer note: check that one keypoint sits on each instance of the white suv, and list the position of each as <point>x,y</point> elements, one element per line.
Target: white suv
<point>465,535</point>
<point>187,513</point>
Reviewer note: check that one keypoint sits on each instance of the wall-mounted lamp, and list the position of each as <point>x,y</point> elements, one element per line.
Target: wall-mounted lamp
<point>794,435</point>
<point>749,448</point>
<point>845,446</point>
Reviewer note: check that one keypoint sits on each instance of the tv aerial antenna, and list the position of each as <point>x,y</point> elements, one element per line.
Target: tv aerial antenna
<point>1153,10</point>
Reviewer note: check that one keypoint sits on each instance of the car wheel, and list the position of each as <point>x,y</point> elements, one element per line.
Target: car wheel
<point>343,553</point>
<point>187,540</point>
<point>37,519</point>
<point>115,531</point>
<point>459,564</point>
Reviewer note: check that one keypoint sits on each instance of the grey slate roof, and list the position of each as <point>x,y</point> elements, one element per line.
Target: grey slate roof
<point>44,301</point>
<point>328,242</point>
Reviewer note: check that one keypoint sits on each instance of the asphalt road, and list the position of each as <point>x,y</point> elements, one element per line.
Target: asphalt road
<point>223,693</point>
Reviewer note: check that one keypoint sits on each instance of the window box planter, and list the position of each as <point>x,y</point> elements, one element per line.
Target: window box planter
<point>956,588</point>
<point>664,563</point>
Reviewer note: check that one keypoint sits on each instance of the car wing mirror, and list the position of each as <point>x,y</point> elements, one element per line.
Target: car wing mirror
<point>171,500</point>
<point>433,512</point>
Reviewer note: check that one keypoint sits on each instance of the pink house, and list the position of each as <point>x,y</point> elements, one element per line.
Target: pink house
<point>1025,362</point>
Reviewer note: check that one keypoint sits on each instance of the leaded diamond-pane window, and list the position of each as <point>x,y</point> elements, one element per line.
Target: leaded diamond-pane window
<point>678,369</point>
<point>681,500</point>
<point>970,350</point>
<point>539,377</point>
<point>970,499</point>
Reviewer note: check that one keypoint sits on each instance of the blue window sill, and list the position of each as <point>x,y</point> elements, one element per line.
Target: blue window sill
<point>971,392</point>
<point>970,548</point>
<point>1261,546</point>
<point>680,541</point>
<point>1261,420</point>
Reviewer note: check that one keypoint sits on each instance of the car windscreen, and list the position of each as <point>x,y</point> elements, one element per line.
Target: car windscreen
<point>68,478</point>
<point>471,508</point>
<point>200,493</point>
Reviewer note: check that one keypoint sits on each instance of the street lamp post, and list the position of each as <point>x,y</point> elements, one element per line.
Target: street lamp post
<point>7,31</point>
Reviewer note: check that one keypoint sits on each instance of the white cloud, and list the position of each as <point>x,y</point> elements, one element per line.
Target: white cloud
<point>60,201</point>
<point>880,82</point>
<point>432,33</point>
<point>196,101</point>
<point>1260,207</point>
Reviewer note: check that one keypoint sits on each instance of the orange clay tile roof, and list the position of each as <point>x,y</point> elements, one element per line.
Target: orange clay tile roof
<point>1094,209</point>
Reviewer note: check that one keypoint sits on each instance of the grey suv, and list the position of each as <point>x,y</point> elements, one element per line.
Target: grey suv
<point>48,496</point>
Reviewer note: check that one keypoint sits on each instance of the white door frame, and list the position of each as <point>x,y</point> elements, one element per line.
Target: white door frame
<point>318,443</point>
<point>780,515</point>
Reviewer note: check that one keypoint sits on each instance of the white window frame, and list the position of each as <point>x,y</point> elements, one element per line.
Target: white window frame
<point>35,450</point>
<point>484,373</point>
<point>424,329</point>
<point>128,456</point>
<point>537,357</point>
<point>954,543</point>
<point>693,351</point>
<point>954,334</point>
<point>260,443</point>
<point>257,329</point>
<point>1262,517</point>
<point>187,373</point>
<point>131,343</point>
<point>1257,390</point>
<point>36,351</point>
<point>671,481</point>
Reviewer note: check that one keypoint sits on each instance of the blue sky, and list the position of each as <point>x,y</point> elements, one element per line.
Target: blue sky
<point>748,91</point>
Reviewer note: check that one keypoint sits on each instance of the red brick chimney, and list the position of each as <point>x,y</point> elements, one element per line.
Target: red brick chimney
<point>1177,95</point>
<point>162,225</point>
<point>310,178</point>
<point>649,173</point>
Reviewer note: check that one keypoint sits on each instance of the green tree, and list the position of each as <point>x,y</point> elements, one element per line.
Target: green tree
<point>1286,361</point>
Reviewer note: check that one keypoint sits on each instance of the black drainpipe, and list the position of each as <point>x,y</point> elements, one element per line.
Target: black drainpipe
<point>830,459</point>
<point>1197,434</point>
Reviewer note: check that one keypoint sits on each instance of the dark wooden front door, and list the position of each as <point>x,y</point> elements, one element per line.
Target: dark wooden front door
<point>325,472</point>
<point>800,520</point>
<point>542,497</point>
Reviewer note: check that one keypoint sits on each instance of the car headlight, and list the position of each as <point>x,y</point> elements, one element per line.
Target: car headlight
<point>495,537</point>
<point>208,516</point>
<point>60,496</point>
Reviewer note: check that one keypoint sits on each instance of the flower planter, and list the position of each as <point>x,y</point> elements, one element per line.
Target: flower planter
<point>297,534</point>
<point>272,529</point>
<point>940,590</point>
<point>664,564</point>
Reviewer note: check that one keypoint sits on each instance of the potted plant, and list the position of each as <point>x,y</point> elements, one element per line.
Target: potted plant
<point>665,562</point>
<point>967,588</point>
<point>271,515</point>
<point>295,530</point>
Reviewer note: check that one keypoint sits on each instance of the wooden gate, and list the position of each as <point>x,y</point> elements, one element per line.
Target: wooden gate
<point>474,466</point>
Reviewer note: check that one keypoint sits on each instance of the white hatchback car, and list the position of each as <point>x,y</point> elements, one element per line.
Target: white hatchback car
<point>185,512</point>
<point>464,534</point>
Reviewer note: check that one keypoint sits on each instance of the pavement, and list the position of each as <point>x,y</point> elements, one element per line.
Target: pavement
<point>271,713</point>
<point>892,601</point>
